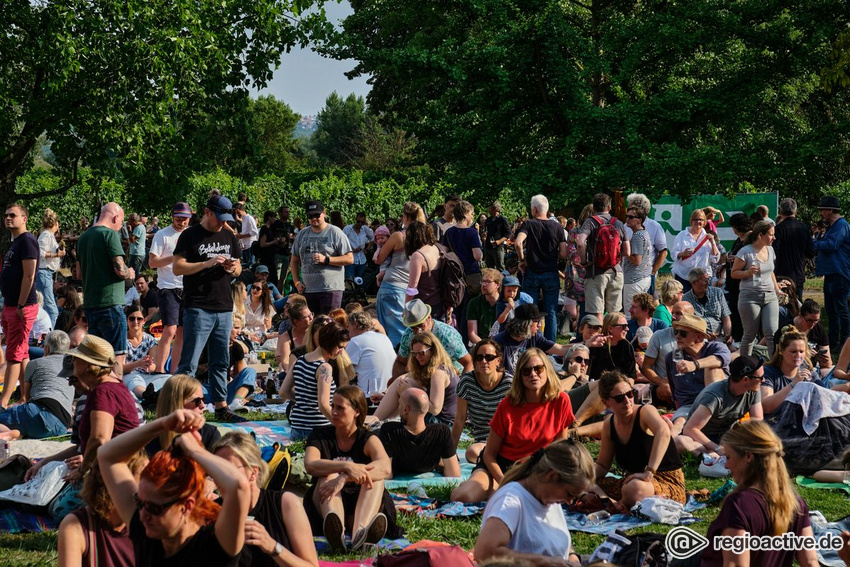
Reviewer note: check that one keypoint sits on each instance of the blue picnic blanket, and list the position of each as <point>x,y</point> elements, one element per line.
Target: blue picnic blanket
<point>432,478</point>
<point>821,527</point>
<point>14,521</point>
<point>578,522</point>
<point>267,433</point>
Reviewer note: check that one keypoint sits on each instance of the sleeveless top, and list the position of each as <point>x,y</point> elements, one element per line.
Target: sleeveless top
<point>111,548</point>
<point>634,455</point>
<point>447,415</point>
<point>305,412</point>
<point>429,288</point>
<point>268,514</point>
<point>398,272</point>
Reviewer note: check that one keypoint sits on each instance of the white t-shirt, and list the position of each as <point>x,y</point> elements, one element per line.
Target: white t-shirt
<point>163,244</point>
<point>534,528</point>
<point>372,355</point>
<point>249,226</point>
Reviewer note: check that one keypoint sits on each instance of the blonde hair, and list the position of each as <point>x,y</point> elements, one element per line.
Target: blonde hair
<point>439,358</point>
<point>553,384</point>
<point>669,289</point>
<point>790,333</point>
<point>237,291</point>
<point>494,275</point>
<point>611,319</point>
<point>569,459</point>
<point>49,219</point>
<point>766,472</point>
<point>414,212</point>
<point>246,450</point>
<point>240,319</point>
<point>175,390</point>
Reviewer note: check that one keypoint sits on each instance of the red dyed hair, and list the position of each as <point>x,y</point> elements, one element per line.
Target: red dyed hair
<point>180,477</point>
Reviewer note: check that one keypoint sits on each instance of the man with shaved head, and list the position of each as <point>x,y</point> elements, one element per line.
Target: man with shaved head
<point>415,446</point>
<point>101,263</point>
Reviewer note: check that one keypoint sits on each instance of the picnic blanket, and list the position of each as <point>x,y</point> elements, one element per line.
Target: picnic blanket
<point>267,432</point>
<point>822,527</point>
<point>812,483</point>
<point>432,508</point>
<point>384,546</point>
<point>432,478</point>
<point>14,521</point>
<point>578,522</point>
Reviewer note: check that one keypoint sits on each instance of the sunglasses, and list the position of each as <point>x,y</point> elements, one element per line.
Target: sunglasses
<point>422,352</point>
<point>256,288</point>
<point>10,215</point>
<point>620,398</point>
<point>197,402</point>
<point>487,357</point>
<point>581,360</point>
<point>620,325</point>
<point>135,318</point>
<point>538,369</point>
<point>631,217</point>
<point>680,333</point>
<point>313,216</point>
<point>153,508</point>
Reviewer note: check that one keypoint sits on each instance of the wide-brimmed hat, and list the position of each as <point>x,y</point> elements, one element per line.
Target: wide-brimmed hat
<point>94,350</point>
<point>691,322</point>
<point>829,202</point>
<point>527,312</point>
<point>510,280</point>
<point>181,210</point>
<point>415,313</point>
<point>744,365</point>
<point>221,207</point>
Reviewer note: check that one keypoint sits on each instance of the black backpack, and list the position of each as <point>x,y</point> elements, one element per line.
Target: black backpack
<point>646,550</point>
<point>452,282</point>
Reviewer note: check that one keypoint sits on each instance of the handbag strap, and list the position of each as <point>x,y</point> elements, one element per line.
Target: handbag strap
<point>92,544</point>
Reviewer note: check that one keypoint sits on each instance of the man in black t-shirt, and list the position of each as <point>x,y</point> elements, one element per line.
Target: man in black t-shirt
<point>415,447</point>
<point>208,258</point>
<point>793,245</point>
<point>539,244</point>
<point>498,232</point>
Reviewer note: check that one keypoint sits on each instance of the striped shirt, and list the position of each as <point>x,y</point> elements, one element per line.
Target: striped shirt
<point>306,413</point>
<point>481,404</point>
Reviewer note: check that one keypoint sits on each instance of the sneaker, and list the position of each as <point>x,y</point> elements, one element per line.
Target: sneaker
<point>227,416</point>
<point>334,533</point>
<point>237,404</point>
<point>714,468</point>
<point>377,529</point>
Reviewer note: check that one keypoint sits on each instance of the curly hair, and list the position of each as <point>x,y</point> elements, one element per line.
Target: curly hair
<point>94,492</point>
<point>416,236</point>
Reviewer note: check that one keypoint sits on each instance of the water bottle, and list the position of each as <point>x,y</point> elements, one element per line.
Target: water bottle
<point>5,450</point>
<point>598,517</point>
<point>417,490</point>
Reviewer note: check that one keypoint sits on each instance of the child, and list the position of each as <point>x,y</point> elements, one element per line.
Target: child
<point>382,234</point>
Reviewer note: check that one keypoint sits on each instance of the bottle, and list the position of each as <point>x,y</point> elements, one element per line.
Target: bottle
<point>5,450</point>
<point>598,517</point>
<point>417,490</point>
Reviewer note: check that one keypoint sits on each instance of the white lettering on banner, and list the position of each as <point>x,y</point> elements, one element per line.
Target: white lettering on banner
<point>214,249</point>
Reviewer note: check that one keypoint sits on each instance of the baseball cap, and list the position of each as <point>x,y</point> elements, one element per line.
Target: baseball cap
<point>744,365</point>
<point>510,280</point>
<point>315,206</point>
<point>181,210</point>
<point>221,207</point>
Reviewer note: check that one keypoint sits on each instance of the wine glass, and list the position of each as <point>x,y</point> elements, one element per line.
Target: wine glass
<point>646,396</point>
<point>847,474</point>
<point>678,354</point>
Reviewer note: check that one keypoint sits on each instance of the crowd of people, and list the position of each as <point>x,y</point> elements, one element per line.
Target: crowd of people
<point>529,336</point>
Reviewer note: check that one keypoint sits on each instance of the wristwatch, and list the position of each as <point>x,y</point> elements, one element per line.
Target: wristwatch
<point>278,548</point>
<point>327,260</point>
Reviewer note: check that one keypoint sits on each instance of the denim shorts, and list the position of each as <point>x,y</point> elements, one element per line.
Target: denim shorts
<point>33,421</point>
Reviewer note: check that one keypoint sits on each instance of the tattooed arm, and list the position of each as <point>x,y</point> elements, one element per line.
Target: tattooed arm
<point>121,269</point>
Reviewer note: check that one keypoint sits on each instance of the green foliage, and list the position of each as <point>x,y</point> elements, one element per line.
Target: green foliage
<point>339,124</point>
<point>569,98</point>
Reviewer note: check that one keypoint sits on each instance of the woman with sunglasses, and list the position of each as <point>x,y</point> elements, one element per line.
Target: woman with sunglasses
<point>258,311</point>
<point>429,368</point>
<point>693,248</point>
<point>478,395</point>
<point>349,464</point>
<point>310,382</point>
<point>764,503</point>
<point>616,353</point>
<point>290,344</point>
<point>181,391</point>
<point>172,520</point>
<point>524,520</point>
<point>534,414</point>
<point>640,442</point>
<point>141,351</point>
<point>277,531</point>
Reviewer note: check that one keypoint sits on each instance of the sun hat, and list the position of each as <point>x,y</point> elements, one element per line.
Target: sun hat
<point>94,350</point>
<point>415,313</point>
<point>829,202</point>
<point>692,322</point>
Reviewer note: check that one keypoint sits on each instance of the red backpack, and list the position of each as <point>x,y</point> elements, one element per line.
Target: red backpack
<point>606,244</point>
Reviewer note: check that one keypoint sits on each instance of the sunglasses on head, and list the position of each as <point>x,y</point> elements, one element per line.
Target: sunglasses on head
<point>619,398</point>
<point>487,357</point>
<point>197,402</point>
<point>538,369</point>
<point>153,508</point>
<point>680,333</point>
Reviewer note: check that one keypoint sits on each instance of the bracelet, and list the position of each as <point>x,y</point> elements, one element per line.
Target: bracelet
<point>412,291</point>
<point>696,364</point>
<point>650,470</point>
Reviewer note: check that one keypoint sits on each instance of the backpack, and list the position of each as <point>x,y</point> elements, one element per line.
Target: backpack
<point>645,550</point>
<point>606,244</point>
<point>452,282</point>
<point>280,463</point>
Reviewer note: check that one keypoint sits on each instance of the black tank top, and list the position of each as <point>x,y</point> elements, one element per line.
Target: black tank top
<point>634,455</point>
<point>267,513</point>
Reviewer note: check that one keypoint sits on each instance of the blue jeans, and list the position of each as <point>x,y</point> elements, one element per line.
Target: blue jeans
<point>836,291</point>
<point>549,283</point>
<point>110,324</point>
<point>354,271</point>
<point>246,378</point>
<point>33,421</point>
<point>211,329</point>
<point>44,284</point>
<point>390,306</point>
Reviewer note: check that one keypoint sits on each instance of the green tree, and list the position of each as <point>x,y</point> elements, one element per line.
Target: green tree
<point>272,126</point>
<point>339,125</point>
<point>114,84</point>
<point>568,97</point>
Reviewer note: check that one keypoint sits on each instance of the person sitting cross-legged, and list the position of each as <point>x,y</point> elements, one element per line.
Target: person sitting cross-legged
<point>414,446</point>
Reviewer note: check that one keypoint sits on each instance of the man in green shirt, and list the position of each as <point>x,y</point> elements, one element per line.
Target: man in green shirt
<point>100,260</point>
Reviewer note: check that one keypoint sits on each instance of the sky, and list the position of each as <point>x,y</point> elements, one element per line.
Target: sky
<point>305,79</point>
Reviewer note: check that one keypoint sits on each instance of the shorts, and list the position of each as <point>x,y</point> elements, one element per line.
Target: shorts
<point>682,412</point>
<point>170,306</point>
<point>17,331</point>
<point>603,293</point>
<point>666,484</point>
<point>110,324</point>
<point>503,463</point>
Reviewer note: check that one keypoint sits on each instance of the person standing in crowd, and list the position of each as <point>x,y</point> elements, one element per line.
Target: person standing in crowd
<point>709,304</point>
<point>169,293</point>
<point>440,225</point>
<point>269,244</point>
<point>284,233</point>
<point>758,303</point>
<point>359,236</point>
<point>248,234</point>
<point>833,263</point>
<point>637,266</point>
<point>425,269</point>
<point>657,236</point>
<point>101,263</point>
<point>136,237</point>
<point>318,256</point>
<point>50,257</point>
<point>498,232</point>
<point>713,217</point>
<point>464,240</point>
<point>539,244</point>
<point>741,225</point>
<point>603,285</point>
<point>693,248</point>
<point>208,258</point>
<point>793,246</point>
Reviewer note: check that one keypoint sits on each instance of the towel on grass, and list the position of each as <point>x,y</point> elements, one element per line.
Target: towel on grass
<point>818,403</point>
<point>821,527</point>
<point>432,478</point>
<point>812,483</point>
<point>267,433</point>
<point>577,521</point>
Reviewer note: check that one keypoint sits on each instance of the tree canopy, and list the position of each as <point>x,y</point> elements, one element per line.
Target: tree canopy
<point>570,97</point>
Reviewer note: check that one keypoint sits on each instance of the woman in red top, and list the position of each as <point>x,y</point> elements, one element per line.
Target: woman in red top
<point>534,414</point>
